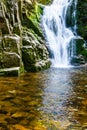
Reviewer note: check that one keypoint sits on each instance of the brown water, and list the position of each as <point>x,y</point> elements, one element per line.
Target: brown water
<point>55,99</point>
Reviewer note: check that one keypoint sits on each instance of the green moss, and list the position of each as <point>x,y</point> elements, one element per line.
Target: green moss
<point>82,18</point>
<point>32,19</point>
<point>84,53</point>
<point>83,31</point>
<point>45,1</point>
<point>16,29</point>
<point>81,48</point>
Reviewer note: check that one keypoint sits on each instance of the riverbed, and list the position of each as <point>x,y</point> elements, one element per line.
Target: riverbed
<point>54,99</point>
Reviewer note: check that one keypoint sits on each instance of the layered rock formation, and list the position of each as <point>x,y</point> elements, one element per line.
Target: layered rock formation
<point>21,40</point>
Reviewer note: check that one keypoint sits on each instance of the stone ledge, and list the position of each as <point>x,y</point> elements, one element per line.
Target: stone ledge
<point>15,71</point>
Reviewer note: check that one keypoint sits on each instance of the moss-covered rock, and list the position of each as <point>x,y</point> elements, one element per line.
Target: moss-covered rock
<point>81,47</point>
<point>31,17</point>
<point>82,18</point>
<point>11,60</point>
<point>45,2</point>
<point>10,54</point>
<point>77,60</point>
<point>10,16</point>
<point>81,52</point>
<point>11,43</point>
<point>34,52</point>
<point>14,71</point>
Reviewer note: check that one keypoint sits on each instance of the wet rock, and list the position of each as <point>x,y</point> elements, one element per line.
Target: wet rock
<point>8,97</point>
<point>10,55</point>
<point>4,104</point>
<point>34,53</point>
<point>15,71</point>
<point>19,115</point>
<point>80,53</point>
<point>81,47</point>
<point>3,112</point>
<point>15,18</point>
<point>18,127</point>
<point>84,126</point>
<point>11,15</point>
<point>11,121</point>
<point>77,60</point>
<point>84,102</point>
<point>12,92</point>
<point>11,60</point>
<point>11,43</point>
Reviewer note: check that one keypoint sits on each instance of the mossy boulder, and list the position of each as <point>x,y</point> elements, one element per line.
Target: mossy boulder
<point>10,54</point>
<point>10,60</point>
<point>31,18</point>
<point>12,43</point>
<point>81,47</point>
<point>32,61</point>
<point>77,60</point>
<point>34,53</point>
<point>80,56</point>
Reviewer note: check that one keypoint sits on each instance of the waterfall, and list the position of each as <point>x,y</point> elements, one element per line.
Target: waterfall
<point>59,24</point>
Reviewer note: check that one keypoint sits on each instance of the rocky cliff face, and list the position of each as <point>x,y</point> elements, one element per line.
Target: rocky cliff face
<point>21,40</point>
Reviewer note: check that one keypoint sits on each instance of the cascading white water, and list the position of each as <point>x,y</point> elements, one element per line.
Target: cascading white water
<point>59,36</point>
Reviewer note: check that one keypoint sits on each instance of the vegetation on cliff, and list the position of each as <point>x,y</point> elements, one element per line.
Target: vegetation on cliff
<point>21,18</point>
<point>82,18</point>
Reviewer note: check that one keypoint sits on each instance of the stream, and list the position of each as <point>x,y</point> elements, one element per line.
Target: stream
<point>54,99</point>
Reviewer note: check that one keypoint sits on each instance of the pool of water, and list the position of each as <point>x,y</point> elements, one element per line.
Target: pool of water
<point>54,99</point>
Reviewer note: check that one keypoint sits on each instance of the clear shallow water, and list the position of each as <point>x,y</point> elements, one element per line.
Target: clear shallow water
<point>54,99</point>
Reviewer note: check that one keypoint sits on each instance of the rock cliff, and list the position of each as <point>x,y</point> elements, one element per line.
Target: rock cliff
<point>21,41</point>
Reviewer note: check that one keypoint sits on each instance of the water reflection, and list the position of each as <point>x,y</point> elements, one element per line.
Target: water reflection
<point>55,99</point>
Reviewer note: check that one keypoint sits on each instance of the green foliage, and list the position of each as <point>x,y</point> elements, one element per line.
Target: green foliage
<point>34,18</point>
<point>44,1</point>
<point>82,18</point>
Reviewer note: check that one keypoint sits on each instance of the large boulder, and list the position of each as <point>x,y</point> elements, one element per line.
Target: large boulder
<point>10,55</point>
<point>34,53</point>
<point>10,60</point>
<point>12,43</point>
<point>80,51</point>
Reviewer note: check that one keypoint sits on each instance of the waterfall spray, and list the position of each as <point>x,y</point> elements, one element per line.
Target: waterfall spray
<point>59,35</point>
